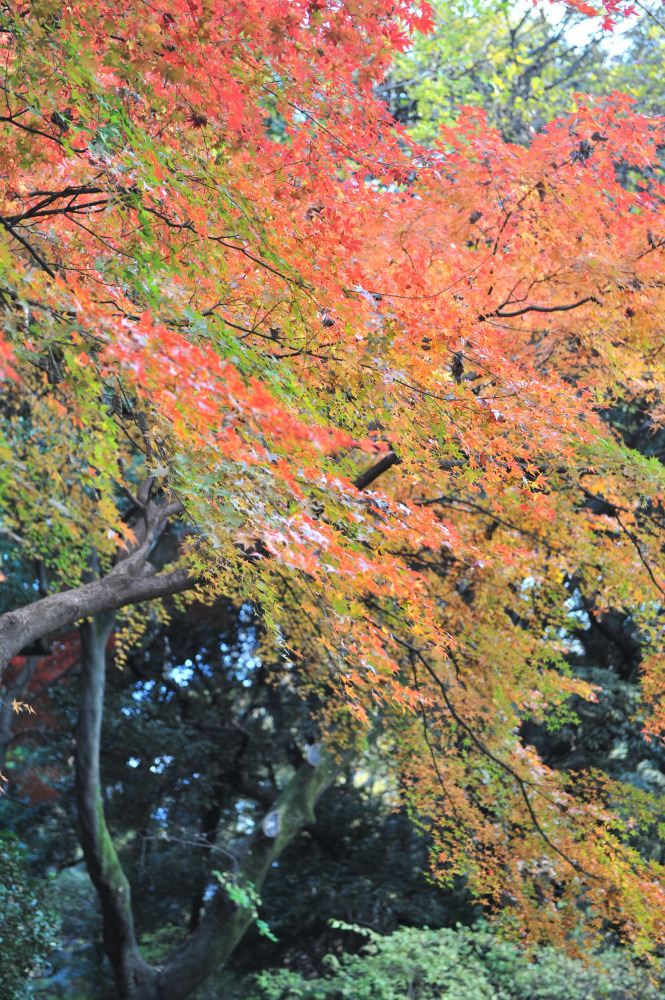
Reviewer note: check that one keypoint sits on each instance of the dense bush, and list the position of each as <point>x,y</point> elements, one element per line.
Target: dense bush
<point>27,924</point>
<point>462,964</point>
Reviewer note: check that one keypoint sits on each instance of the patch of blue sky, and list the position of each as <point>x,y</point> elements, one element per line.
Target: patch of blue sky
<point>161,763</point>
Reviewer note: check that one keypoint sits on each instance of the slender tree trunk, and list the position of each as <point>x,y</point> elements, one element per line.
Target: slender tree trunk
<point>135,978</point>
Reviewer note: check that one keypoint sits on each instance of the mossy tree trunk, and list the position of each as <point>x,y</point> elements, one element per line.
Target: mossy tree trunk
<point>135,977</point>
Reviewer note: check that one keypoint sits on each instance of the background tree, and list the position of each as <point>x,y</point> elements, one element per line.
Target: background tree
<point>523,65</point>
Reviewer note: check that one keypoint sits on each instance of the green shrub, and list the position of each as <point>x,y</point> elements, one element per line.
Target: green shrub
<point>462,964</point>
<point>27,924</point>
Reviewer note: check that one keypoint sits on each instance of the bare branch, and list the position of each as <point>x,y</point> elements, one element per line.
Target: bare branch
<point>539,309</point>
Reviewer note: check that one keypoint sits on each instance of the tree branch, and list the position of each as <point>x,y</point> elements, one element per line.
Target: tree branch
<point>367,477</point>
<point>538,309</point>
<point>130,582</point>
<point>31,250</point>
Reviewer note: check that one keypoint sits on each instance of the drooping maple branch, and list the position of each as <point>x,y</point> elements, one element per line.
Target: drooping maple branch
<point>450,501</point>
<point>11,119</point>
<point>428,741</point>
<point>539,309</point>
<point>521,782</point>
<point>27,246</point>
<point>638,549</point>
<point>43,209</point>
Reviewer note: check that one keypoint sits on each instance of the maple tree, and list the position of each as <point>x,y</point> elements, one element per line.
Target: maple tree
<point>257,342</point>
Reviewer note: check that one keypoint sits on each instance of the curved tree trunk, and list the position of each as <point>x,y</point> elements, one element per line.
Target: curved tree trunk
<point>135,978</point>
<point>134,578</point>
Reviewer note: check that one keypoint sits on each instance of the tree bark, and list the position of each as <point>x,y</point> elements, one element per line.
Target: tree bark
<point>135,978</point>
<point>367,477</point>
<point>224,922</point>
<point>134,578</point>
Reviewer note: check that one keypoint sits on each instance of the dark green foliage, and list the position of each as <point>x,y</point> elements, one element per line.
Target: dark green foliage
<point>77,967</point>
<point>199,732</point>
<point>461,964</point>
<point>27,922</point>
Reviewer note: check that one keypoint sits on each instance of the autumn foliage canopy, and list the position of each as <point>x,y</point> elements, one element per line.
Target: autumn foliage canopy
<point>372,379</point>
